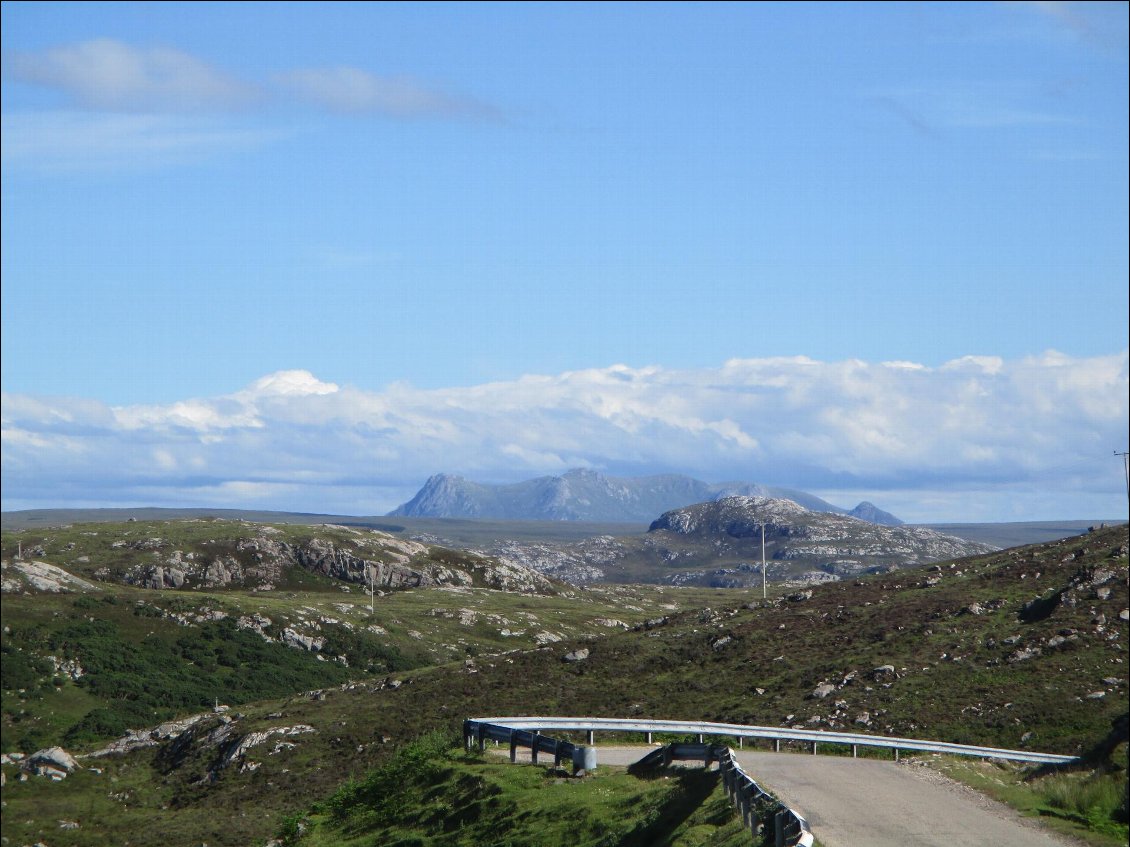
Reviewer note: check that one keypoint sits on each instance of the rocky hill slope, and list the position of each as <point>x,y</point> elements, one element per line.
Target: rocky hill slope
<point>586,495</point>
<point>1022,648</point>
<point>718,544</point>
<point>216,554</point>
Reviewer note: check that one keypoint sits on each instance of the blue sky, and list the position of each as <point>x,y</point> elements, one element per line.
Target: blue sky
<point>435,203</point>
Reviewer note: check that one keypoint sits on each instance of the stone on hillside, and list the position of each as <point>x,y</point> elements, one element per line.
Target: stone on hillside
<point>821,691</point>
<point>974,609</point>
<point>801,596</point>
<point>54,762</point>
<point>722,642</point>
<point>1024,655</point>
<point>882,671</point>
<point>577,655</point>
<point>291,638</point>
<point>1124,615</point>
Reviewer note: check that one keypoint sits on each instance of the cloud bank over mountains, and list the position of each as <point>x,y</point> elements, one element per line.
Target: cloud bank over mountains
<point>978,438</point>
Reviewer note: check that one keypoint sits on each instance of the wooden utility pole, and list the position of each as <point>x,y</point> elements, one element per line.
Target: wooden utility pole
<point>1125,470</point>
<point>763,588</point>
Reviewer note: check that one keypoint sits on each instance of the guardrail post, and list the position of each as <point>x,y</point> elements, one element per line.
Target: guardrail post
<point>648,737</point>
<point>534,747</point>
<point>776,745</point>
<point>590,735</point>
<point>896,754</point>
<point>700,738</point>
<point>584,758</point>
<point>556,754</point>
<point>513,747</point>
<point>482,738</point>
<point>813,748</point>
<point>855,751</point>
<point>740,740</point>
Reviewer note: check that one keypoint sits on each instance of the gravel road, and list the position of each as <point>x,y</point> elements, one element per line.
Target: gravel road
<point>869,803</point>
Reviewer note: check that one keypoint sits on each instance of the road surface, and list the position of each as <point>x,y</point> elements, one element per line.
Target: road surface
<point>870,803</point>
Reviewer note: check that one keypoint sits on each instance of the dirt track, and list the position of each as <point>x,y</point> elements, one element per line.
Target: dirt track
<point>869,803</point>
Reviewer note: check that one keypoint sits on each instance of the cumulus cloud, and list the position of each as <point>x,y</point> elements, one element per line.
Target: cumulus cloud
<point>976,438</point>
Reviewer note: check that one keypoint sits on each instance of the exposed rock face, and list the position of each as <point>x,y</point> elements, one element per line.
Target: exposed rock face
<point>40,576</point>
<point>53,762</point>
<point>370,558</point>
<point>322,557</point>
<point>829,545</point>
<point>586,495</point>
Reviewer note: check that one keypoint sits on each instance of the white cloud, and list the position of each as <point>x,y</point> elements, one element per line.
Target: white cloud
<point>125,106</point>
<point>108,75</point>
<point>904,432</point>
<point>355,91</point>
<point>290,384</point>
<point>74,140</point>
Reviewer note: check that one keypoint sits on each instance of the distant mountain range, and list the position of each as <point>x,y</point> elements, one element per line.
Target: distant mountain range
<point>586,495</point>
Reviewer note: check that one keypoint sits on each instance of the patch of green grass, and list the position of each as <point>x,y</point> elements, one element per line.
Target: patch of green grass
<point>429,794</point>
<point>1086,805</point>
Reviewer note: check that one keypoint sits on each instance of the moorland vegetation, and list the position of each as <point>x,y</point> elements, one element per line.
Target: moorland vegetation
<point>290,692</point>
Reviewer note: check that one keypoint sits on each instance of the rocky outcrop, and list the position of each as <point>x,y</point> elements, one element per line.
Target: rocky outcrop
<point>20,576</point>
<point>53,762</point>
<point>321,556</point>
<point>366,558</point>
<point>830,545</point>
<point>211,744</point>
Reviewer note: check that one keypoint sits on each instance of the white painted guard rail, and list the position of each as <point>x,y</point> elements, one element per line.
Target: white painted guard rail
<point>762,813</point>
<point>791,829</point>
<point>813,736</point>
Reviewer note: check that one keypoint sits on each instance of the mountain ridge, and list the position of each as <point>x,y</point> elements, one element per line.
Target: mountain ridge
<point>587,495</point>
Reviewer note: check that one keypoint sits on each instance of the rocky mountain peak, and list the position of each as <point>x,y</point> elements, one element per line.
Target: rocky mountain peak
<point>871,513</point>
<point>584,494</point>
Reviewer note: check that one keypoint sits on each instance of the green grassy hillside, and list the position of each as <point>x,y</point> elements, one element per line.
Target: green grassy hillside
<point>433,793</point>
<point>1021,648</point>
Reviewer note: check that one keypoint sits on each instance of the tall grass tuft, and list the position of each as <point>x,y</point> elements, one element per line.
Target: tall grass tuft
<point>1098,800</point>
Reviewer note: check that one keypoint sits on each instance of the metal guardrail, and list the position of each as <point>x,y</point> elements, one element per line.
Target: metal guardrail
<point>760,810</point>
<point>756,805</point>
<point>479,732</point>
<point>812,736</point>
